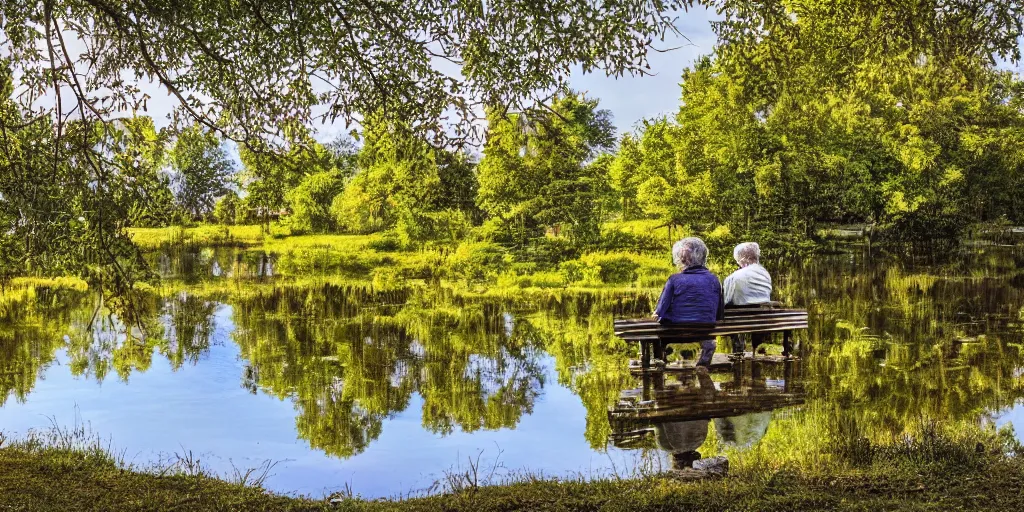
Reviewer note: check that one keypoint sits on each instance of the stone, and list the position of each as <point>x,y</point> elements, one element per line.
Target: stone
<point>712,465</point>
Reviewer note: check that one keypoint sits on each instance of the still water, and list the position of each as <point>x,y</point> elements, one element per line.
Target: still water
<point>394,391</point>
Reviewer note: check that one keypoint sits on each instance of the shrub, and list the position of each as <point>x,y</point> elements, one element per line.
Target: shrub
<point>310,201</point>
<point>444,227</point>
<point>477,261</point>
<point>618,240</point>
<point>387,278</point>
<point>614,268</point>
<point>386,242</point>
<point>573,271</point>
<point>548,251</point>
<point>226,210</point>
<point>542,280</point>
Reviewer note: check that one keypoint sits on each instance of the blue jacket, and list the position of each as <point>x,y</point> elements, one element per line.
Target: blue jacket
<point>693,295</point>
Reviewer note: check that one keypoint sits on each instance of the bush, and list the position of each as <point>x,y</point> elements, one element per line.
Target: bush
<point>310,202</point>
<point>614,268</point>
<point>226,210</point>
<point>477,261</point>
<point>386,242</point>
<point>447,227</point>
<point>548,251</point>
<point>618,240</point>
<point>387,278</point>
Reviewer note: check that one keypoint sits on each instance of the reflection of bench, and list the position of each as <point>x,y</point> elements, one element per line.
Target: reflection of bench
<point>762,319</point>
<point>754,388</point>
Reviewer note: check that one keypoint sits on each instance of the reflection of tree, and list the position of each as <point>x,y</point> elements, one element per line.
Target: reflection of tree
<point>350,357</point>
<point>479,378</point>
<point>190,263</point>
<point>36,322</point>
<point>32,322</point>
<point>189,321</point>
<point>590,360</point>
<point>892,351</point>
<point>178,327</point>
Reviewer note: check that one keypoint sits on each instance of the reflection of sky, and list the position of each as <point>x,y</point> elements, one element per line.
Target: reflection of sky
<point>1015,417</point>
<point>203,408</point>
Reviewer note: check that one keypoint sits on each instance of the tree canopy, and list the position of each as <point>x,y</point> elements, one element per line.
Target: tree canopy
<point>808,111</point>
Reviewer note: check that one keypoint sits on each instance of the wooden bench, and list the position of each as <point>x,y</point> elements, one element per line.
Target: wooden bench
<point>760,320</point>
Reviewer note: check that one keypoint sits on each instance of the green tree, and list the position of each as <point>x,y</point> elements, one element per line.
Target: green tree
<point>641,158</point>
<point>302,180</point>
<point>226,211</point>
<point>202,171</point>
<point>139,146</point>
<point>399,184</point>
<point>536,170</point>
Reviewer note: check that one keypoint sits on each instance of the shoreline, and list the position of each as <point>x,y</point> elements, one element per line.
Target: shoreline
<point>975,472</point>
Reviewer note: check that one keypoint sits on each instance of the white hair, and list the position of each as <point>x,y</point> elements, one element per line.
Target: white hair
<point>747,253</point>
<point>689,252</point>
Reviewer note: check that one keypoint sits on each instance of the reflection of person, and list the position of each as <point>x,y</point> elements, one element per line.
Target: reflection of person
<point>682,438</point>
<point>751,284</point>
<point>692,295</point>
<point>743,430</point>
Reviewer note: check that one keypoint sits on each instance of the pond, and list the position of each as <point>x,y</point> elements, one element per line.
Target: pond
<point>386,392</point>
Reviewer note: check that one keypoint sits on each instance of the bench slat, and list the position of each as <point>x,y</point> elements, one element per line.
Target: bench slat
<point>729,315</point>
<point>699,335</point>
<point>725,324</point>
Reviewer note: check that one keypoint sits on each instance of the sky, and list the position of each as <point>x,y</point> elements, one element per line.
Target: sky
<point>632,99</point>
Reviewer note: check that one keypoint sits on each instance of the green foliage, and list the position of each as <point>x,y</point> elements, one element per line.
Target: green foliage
<point>804,116</point>
<point>140,147</point>
<point>538,170</point>
<point>478,261</point>
<point>612,268</point>
<point>305,178</point>
<point>64,212</point>
<point>403,183</point>
<point>202,171</point>
<point>310,201</point>
<point>225,212</point>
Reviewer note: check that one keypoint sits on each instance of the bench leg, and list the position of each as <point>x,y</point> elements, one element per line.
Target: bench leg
<point>645,355</point>
<point>757,339</point>
<point>738,344</point>
<point>659,350</point>
<point>787,343</point>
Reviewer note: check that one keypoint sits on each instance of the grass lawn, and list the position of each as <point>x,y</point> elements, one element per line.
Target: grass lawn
<point>940,476</point>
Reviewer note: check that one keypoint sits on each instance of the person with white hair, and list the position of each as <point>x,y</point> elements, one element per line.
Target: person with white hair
<point>694,295</point>
<point>751,284</point>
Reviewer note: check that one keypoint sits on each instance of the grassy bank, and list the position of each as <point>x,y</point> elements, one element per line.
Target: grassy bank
<point>936,474</point>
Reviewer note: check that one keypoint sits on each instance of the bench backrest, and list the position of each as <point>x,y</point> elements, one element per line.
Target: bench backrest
<point>738,320</point>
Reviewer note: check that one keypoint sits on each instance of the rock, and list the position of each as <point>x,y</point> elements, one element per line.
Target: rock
<point>713,465</point>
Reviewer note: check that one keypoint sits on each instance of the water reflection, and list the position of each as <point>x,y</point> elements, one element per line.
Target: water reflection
<point>192,264</point>
<point>350,358</point>
<point>892,347</point>
<point>677,410</point>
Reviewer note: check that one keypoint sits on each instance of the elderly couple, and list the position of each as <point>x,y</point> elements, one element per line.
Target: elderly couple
<point>695,295</point>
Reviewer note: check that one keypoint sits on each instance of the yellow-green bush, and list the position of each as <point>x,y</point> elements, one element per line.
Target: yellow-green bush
<point>477,261</point>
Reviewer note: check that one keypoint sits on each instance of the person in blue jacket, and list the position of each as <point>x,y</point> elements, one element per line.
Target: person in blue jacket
<point>692,295</point>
